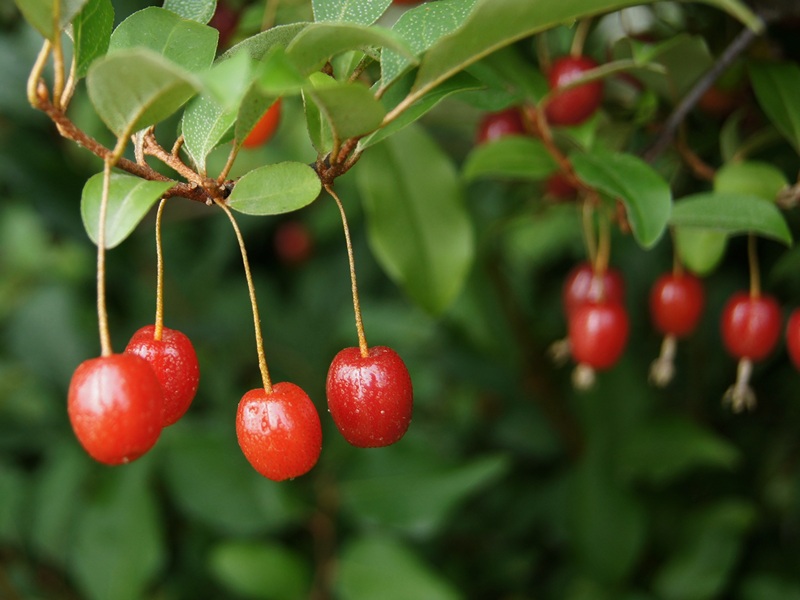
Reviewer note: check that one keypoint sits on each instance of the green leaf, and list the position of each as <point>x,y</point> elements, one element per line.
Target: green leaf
<point>732,214</point>
<point>41,14</point>
<point>494,24</point>
<point>700,250</point>
<point>417,223</point>
<point>750,178</point>
<point>118,546</point>
<point>413,493</point>
<point>349,109</point>
<point>259,45</point>
<point>381,567</point>
<point>194,10</point>
<point>769,587</point>
<point>14,498</point>
<point>607,523</point>
<point>275,189</point>
<point>462,82</point>
<point>645,194</point>
<point>208,118</point>
<point>667,449</point>
<point>713,542</point>
<point>421,27</point>
<point>515,157</point>
<point>777,87</point>
<point>364,12</point>
<point>91,32</point>
<point>129,200</point>
<point>260,571</point>
<point>319,42</point>
<point>186,43</point>
<point>132,89</point>
<point>63,475</point>
<point>210,481</point>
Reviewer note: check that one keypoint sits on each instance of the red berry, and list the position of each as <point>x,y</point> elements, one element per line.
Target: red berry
<point>174,362</point>
<point>265,127</point>
<point>116,407</point>
<point>583,285</point>
<point>225,20</point>
<point>495,125</point>
<point>279,432</point>
<point>575,105</point>
<point>598,333</point>
<point>793,337</point>
<point>751,325</point>
<point>370,398</point>
<point>293,243</point>
<point>676,303</point>
<point>559,187</point>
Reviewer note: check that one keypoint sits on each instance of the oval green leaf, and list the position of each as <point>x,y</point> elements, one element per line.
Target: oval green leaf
<point>514,157</point>
<point>260,570</point>
<point>700,250</point>
<point>750,178</point>
<point>275,189</point>
<point>381,567</point>
<point>129,200</point>
<point>319,42</point>
<point>645,194</point>
<point>777,88</point>
<point>41,13</point>
<point>132,89</point>
<point>417,223</point>
<point>421,27</point>
<point>91,32</point>
<point>349,109</point>
<point>186,43</point>
<point>732,214</point>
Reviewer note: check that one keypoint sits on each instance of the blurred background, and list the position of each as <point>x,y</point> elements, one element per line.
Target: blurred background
<point>508,485</point>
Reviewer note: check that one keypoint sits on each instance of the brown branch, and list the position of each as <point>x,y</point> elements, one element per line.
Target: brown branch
<point>68,129</point>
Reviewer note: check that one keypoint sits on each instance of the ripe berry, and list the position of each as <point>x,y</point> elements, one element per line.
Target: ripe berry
<point>265,127</point>
<point>116,407</point>
<point>495,125</point>
<point>370,398</point>
<point>174,362</point>
<point>584,285</point>
<point>676,303</point>
<point>279,432</point>
<point>751,325</point>
<point>793,337</point>
<point>575,105</point>
<point>598,332</point>
<point>559,188</point>
<point>225,20</point>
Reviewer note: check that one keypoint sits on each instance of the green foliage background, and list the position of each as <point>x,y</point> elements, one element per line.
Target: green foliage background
<point>509,484</point>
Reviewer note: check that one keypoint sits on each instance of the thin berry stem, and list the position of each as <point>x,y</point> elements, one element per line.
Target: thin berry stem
<point>579,40</point>
<point>159,322</point>
<point>102,310</point>
<point>251,288</point>
<point>755,274</point>
<point>362,340</point>
<point>603,245</point>
<point>589,238</point>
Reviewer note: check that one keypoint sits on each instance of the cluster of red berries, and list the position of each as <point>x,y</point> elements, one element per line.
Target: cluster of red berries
<point>569,104</point>
<point>118,404</point>
<point>598,325</point>
<point>370,398</point>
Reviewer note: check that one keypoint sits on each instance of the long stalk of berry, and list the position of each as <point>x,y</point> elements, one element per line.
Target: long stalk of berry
<point>369,390</point>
